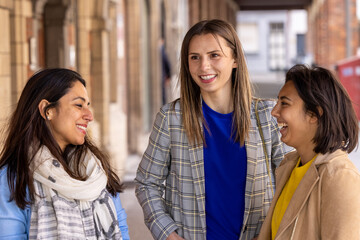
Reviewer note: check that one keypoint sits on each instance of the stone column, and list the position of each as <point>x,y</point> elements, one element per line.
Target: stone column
<point>83,41</point>
<point>56,48</point>
<point>99,45</point>
<point>155,59</point>
<point>5,68</point>
<point>19,46</point>
<point>133,72</point>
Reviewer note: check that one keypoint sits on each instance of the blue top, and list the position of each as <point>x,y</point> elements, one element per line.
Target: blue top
<point>225,177</point>
<point>15,222</point>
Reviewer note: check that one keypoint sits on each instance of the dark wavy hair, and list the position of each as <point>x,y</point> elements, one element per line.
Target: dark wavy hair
<point>28,129</point>
<point>326,98</point>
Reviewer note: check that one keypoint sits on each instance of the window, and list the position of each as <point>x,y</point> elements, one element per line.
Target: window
<point>249,37</point>
<point>277,54</point>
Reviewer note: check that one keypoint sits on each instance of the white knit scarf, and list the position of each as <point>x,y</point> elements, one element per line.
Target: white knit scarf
<point>66,208</point>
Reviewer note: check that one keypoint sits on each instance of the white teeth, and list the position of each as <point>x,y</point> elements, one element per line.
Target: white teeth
<point>282,125</point>
<point>207,77</point>
<point>81,127</point>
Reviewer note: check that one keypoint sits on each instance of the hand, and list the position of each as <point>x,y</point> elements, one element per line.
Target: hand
<point>174,236</point>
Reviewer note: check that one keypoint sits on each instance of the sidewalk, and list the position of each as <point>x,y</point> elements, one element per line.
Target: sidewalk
<point>131,165</point>
<point>135,217</point>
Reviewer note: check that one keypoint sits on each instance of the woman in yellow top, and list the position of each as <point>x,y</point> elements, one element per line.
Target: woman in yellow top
<point>317,186</point>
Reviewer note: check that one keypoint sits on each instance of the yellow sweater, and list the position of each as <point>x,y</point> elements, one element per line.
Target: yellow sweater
<point>288,191</point>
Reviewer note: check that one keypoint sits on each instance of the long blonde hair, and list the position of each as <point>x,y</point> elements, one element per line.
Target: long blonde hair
<point>190,99</point>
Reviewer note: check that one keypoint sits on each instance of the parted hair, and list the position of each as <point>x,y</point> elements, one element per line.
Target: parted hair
<point>28,131</point>
<point>190,97</point>
<point>326,98</point>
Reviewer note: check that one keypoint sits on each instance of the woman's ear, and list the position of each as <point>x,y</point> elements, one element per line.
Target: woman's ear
<point>321,111</point>
<point>42,106</point>
<point>235,65</point>
<point>314,118</point>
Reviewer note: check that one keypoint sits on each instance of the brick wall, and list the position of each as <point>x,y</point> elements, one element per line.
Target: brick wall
<point>327,38</point>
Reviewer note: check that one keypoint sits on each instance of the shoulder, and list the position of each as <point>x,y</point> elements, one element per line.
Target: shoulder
<point>9,211</point>
<point>171,106</point>
<point>262,108</point>
<point>337,163</point>
<point>4,187</point>
<point>4,190</point>
<point>172,111</point>
<point>262,104</point>
<point>290,157</point>
<point>3,179</point>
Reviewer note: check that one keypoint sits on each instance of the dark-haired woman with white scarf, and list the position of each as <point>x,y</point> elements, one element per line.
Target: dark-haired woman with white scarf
<point>54,182</point>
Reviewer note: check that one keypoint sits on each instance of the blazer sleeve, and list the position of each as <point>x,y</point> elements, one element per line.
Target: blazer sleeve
<point>151,175</point>
<point>14,221</point>
<point>340,204</point>
<point>121,216</point>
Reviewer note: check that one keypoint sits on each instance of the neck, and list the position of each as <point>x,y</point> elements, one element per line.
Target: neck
<point>223,104</point>
<point>306,157</point>
<point>306,152</point>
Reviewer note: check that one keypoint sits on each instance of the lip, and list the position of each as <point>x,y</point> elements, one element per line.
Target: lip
<point>208,78</point>
<point>283,131</point>
<point>283,127</point>
<point>82,128</point>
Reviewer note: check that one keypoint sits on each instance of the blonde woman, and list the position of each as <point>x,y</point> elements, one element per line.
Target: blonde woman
<point>204,173</point>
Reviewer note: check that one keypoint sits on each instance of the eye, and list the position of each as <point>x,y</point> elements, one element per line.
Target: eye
<point>78,105</point>
<point>283,103</point>
<point>194,57</point>
<point>214,55</point>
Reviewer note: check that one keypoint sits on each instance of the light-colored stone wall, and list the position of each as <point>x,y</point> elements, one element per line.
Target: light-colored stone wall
<point>124,83</point>
<point>19,47</point>
<point>5,68</point>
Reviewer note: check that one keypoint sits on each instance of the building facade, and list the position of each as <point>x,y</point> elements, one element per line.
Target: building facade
<point>113,44</point>
<point>333,31</point>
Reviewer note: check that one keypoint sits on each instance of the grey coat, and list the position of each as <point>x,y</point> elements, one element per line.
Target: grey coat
<point>171,182</point>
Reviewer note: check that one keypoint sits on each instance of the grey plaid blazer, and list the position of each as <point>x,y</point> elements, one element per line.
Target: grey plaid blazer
<point>170,177</point>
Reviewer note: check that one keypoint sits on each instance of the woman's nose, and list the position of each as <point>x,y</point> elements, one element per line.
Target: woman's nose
<point>88,115</point>
<point>275,111</point>
<point>205,64</point>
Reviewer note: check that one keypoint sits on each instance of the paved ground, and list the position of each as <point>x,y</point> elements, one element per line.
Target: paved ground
<point>135,217</point>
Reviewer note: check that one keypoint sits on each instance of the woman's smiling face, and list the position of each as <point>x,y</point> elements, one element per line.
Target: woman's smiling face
<point>69,120</point>
<point>298,127</point>
<point>211,62</point>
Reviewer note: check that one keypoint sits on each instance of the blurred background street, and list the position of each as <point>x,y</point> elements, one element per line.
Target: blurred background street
<point>116,46</point>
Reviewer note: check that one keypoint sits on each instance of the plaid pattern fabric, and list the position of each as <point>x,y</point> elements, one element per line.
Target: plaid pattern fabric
<point>55,217</point>
<point>67,208</point>
<point>171,183</point>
